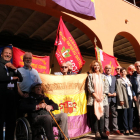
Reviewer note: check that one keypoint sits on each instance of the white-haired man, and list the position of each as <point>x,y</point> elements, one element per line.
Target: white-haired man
<point>29,75</point>
<point>70,68</point>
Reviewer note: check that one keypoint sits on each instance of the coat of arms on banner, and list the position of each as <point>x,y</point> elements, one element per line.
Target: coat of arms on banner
<point>68,105</point>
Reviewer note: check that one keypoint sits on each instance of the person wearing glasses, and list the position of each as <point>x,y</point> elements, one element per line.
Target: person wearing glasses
<point>98,88</point>
<point>118,72</point>
<point>125,97</point>
<point>135,80</point>
<point>111,103</point>
<point>63,69</point>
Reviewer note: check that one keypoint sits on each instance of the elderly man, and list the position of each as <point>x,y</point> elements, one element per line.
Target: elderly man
<point>112,103</point>
<point>38,106</point>
<point>135,81</point>
<point>29,75</point>
<point>63,69</point>
<point>118,72</point>
<point>70,72</point>
<point>130,70</point>
<point>9,75</point>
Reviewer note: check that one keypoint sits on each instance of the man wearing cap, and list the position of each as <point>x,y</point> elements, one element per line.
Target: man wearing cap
<point>9,76</point>
<point>37,105</point>
<point>29,75</point>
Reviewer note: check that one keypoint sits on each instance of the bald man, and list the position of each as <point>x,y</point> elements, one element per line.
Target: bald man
<point>111,103</point>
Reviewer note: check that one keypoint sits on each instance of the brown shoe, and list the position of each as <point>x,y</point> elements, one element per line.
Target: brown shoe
<point>117,133</point>
<point>107,133</point>
<point>97,136</point>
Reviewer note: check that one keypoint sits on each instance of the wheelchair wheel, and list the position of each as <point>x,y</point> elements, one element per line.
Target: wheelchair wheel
<point>23,130</point>
<point>39,133</point>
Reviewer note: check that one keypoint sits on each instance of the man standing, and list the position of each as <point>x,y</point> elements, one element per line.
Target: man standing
<point>38,107</point>
<point>9,76</point>
<point>70,72</point>
<point>135,81</point>
<point>118,72</point>
<point>112,103</point>
<point>63,69</point>
<point>29,75</point>
<point>120,111</point>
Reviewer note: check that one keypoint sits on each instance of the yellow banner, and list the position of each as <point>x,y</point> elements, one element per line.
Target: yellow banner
<point>67,91</point>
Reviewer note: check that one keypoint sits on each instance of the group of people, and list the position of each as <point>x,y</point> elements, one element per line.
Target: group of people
<point>120,94</point>
<point>22,92</point>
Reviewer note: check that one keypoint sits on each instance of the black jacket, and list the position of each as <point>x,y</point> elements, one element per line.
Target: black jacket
<point>4,79</point>
<point>28,105</point>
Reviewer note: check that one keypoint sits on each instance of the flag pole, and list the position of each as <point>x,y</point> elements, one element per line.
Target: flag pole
<point>52,59</point>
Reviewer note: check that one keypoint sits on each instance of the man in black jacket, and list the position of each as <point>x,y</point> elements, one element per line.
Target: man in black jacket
<point>9,76</point>
<point>38,106</point>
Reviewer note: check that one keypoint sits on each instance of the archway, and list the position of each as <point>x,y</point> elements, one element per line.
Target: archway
<point>126,48</point>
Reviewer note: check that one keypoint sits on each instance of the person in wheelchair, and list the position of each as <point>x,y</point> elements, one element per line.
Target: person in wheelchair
<point>37,106</point>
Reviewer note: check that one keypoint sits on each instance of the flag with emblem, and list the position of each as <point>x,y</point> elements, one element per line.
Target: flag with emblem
<point>69,93</point>
<point>67,49</point>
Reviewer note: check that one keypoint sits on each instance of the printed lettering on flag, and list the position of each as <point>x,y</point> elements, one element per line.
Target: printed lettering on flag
<point>40,63</point>
<point>67,49</point>
<point>69,93</point>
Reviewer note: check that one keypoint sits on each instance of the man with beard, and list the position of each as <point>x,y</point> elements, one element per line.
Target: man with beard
<point>29,75</point>
<point>9,76</point>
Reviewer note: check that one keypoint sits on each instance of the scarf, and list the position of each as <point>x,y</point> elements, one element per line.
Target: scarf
<point>127,82</point>
<point>3,61</point>
<point>98,87</point>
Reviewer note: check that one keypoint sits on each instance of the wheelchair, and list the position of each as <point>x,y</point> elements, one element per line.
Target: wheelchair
<point>25,131</point>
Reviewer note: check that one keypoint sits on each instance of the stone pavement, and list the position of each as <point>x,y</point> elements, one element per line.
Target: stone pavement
<point>113,137</point>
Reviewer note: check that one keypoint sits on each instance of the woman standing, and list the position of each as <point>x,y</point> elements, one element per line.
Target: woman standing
<point>125,101</point>
<point>97,87</point>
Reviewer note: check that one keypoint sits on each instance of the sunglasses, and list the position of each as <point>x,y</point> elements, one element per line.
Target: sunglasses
<point>64,67</point>
<point>117,69</point>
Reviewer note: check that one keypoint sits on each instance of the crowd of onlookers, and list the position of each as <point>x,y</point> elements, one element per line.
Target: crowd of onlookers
<point>119,94</point>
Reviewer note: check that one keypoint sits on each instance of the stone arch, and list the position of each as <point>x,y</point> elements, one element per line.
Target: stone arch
<point>133,41</point>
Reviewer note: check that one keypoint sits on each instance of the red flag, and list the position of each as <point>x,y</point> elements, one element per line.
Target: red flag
<point>40,63</point>
<point>67,49</point>
<point>106,59</point>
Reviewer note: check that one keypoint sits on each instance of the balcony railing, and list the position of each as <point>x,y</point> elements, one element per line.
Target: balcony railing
<point>134,2</point>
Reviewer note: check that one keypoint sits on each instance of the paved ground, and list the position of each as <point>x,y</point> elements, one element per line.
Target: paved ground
<point>113,137</point>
